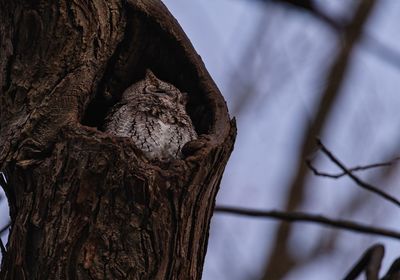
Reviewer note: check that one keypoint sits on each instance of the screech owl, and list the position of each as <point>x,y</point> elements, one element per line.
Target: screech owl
<point>152,113</point>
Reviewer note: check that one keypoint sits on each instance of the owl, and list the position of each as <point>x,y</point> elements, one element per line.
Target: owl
<point>152,113</point>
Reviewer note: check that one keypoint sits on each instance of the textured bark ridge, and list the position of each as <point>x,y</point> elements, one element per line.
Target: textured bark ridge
<point>85,204</point>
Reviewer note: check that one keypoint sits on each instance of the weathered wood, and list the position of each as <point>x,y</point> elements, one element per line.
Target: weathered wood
<point>85,204</point>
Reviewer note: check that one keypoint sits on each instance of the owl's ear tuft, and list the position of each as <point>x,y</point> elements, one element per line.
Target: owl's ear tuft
<point>150,76</point>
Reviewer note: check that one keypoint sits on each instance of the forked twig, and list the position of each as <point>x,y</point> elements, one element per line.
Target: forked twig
<point>357,180</point>
<point>353,169</point>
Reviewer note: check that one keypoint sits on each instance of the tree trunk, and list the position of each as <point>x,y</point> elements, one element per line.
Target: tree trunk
<point>85,204</point>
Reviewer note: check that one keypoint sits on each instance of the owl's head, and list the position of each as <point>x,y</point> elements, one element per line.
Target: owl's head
<point>153,88</point>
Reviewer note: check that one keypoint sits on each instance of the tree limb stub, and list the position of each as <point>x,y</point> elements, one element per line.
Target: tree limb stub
<point>85,204</point>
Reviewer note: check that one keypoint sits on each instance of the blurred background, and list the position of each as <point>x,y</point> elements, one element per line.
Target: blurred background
<point>291,71</point>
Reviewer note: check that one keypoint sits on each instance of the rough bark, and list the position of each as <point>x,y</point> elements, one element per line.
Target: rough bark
<point>85,204</point>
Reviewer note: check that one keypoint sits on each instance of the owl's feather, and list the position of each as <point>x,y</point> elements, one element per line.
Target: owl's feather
<point>152,113</point>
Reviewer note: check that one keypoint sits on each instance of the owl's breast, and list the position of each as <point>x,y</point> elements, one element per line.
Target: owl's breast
<point>156,135</point>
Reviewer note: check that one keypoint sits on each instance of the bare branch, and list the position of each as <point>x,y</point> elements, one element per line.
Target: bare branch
<point>304,217</point>
<point>370,262</point>
<point>353,169</point>
<point>357,180</point>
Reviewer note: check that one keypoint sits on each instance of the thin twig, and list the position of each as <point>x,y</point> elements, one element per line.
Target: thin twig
<point>304,217</point>
<point>353,169</point>
<point>357,180</point>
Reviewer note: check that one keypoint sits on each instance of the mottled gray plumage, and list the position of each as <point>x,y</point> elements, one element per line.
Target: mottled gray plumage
<point>152,113</point>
